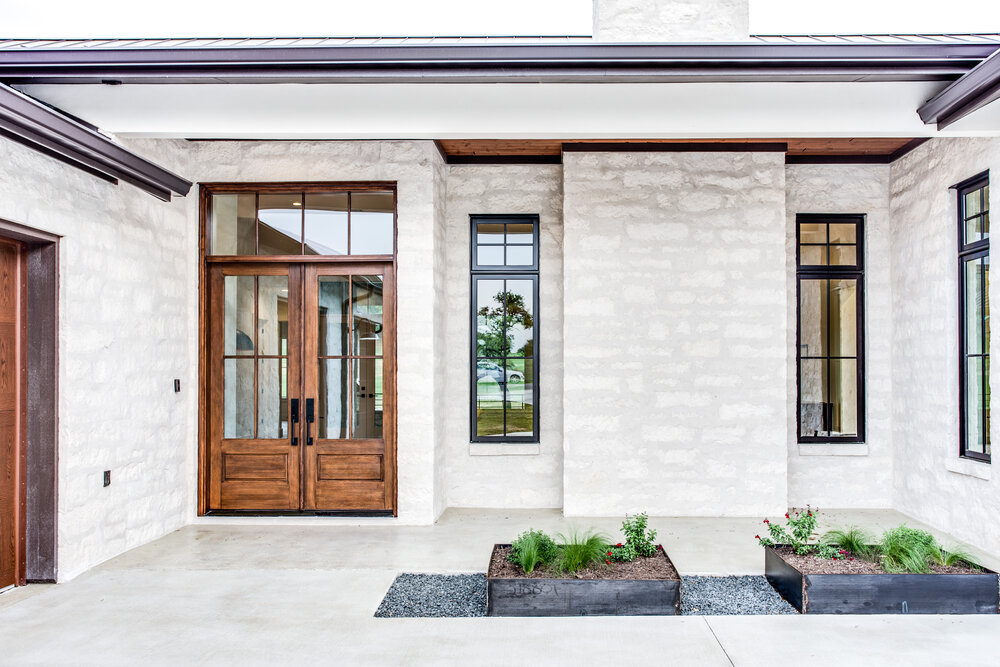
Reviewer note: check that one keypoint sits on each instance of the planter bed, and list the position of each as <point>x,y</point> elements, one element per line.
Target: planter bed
<point>643,587</point>
<point>821,586</point>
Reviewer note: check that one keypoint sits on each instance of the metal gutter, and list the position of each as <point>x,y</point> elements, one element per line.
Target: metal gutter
<point>591,62</point>
<point>973,91</point>
<point>52,133</point>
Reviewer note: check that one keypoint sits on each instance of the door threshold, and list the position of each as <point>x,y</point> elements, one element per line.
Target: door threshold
<point>266,513</point>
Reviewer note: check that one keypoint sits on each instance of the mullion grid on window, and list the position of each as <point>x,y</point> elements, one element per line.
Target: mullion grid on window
<point>976,253</point>
<point>504,273</point>
<point>829,273</point>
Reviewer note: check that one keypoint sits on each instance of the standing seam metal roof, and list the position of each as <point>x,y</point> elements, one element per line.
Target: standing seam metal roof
<point>305,42</point>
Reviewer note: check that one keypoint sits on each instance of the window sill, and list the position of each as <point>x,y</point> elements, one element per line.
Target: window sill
<point>969,468</point>
<point>833,449</point>
<point>503,449</point>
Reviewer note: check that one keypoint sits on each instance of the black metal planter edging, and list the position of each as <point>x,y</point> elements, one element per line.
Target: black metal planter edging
<point>883,593</point>
<point>582,597</point>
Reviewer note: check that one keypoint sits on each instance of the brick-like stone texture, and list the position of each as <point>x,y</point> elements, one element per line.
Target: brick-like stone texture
<point>839,475</point>
<point>676,397</point>
<point>526,480</point>
<point>124,332</point>
<point>925,342</point>
<point>671,20</point>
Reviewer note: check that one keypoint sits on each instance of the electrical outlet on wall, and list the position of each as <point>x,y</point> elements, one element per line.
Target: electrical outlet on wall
<point>107,478</point>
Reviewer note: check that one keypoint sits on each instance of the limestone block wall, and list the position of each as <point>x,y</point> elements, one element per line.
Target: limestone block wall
<point>416,166</point>
<point>675,383</point>
<point>487,475</point>
<point>931,482</point>
<point>846,475</point>
<point>671,20</point>
<point>124,334</point>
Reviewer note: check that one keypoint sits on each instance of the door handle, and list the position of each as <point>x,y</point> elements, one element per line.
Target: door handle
<point>309,420</point>
<point>293,417</point>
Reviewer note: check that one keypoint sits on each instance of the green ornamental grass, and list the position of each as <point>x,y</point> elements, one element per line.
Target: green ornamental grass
<point>580,550</point>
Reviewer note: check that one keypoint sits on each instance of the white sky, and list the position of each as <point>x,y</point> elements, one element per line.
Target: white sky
<point>331,18</point>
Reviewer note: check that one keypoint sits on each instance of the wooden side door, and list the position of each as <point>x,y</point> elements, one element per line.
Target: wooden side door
<point>349,407</point>
<point>12,396</point>
<point>254,382</point>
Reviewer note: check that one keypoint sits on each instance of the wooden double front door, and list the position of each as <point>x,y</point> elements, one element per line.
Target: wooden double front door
<point>301,387</point>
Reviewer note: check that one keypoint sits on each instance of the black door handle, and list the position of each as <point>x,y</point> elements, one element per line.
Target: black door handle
<point>293,417</point>
<point>309,420</point>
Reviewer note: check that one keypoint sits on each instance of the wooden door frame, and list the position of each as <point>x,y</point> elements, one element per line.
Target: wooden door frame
<point>205,192</point>
<point>38,428</point>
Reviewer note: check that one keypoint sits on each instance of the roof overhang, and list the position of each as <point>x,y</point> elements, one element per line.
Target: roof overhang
<point>529,63</point>
<point>973,91</point>
<point>33,124</point>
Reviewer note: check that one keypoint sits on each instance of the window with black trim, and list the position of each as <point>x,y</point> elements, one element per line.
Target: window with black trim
<point>830,331</point>
<point>974,316</point>
<point>504,374</point>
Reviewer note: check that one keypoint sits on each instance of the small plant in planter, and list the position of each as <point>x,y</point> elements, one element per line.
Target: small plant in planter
<point>582,573</point>
<point>849,571</point>
<point>532,548</point>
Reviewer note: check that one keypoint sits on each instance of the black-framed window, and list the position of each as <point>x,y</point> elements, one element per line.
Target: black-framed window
<point>830,328</point>
<point>504,369</point>
<point>974,316</point>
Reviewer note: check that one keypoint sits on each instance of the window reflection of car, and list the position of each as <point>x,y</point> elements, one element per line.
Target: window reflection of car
<point>487,370</point>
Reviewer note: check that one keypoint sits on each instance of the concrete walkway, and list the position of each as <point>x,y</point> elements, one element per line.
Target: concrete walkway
<point>250,594</point>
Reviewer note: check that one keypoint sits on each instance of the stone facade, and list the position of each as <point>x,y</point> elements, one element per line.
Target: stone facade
<point>667,333</point>
<point>125,334</point>
<point>863,473</point>
<point>485,475</point>
<point>671,20</point>
<point>931,482</point>
<point>675,397</point>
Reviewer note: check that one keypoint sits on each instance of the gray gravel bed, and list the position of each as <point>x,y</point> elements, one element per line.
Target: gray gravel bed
<point>464,595</point>
<point>731,596</point>
<point>435,596</point>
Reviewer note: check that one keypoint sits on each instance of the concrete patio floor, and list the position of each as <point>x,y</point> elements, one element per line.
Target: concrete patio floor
<point>239,592</point>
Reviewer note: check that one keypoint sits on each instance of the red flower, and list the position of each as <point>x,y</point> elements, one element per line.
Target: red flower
<point>842,551</point>
<point>608,562</point>
<point>834,558</point>
<point>756,537</point>
<point>619,544</point>
<point>766,521</point>
<point>659,547</point>
<point>609,553</point>
<point>850,559</point>
<point>786,515</point>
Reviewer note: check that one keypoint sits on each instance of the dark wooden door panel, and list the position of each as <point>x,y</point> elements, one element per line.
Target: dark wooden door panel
<point>344,459</point>
<point>254,338</point>
<point>11,409</point>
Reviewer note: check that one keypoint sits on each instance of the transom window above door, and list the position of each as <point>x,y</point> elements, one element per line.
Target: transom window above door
<point>296,220</point>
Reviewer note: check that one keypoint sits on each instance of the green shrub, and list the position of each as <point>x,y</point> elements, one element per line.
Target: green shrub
<point>622,553</point>
<point>578,551</point>
<point>905,549</point>
<point>636,535</point>
<point>853,539</point>
<point>532,548</point>
<point>801,525</point>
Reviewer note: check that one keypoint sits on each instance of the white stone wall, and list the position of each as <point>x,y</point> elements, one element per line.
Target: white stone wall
<point>671,20</point>
<point>123,337</point>
<point>675,397</point>
<point>931,482</point>
<point>487,475</point>
<point>416,166</point>
<point>846,475</point>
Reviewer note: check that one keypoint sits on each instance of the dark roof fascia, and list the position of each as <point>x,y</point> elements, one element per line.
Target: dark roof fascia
<point>973,91</point>
<point>663,147</point>
<point>52,133</point>
<point>492,63</point>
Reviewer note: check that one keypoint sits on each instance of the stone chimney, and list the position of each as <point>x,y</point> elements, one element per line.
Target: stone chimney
<point>671,20</point>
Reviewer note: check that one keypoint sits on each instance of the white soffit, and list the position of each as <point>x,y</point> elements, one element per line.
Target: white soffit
<point>442,111</point>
